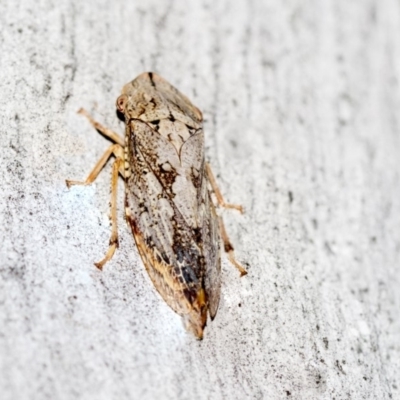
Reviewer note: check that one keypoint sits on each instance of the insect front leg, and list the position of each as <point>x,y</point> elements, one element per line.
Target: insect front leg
<point>218,193</point>
<point>102,129</point>
<point>114,149</point>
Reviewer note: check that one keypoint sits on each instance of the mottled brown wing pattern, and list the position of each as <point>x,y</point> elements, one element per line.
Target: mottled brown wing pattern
<point>172,216</point>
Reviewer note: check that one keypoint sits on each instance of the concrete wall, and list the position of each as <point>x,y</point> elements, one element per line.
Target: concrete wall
<point>301,102</point>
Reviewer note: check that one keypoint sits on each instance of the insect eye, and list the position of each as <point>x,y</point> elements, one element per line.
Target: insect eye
<point>121,102</point>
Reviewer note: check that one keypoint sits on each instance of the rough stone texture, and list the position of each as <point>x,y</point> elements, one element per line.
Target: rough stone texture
<point>302,105</point>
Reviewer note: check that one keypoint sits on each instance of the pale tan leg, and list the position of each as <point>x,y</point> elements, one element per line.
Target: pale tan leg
<point>105,131</point>
<point>113,244</point>
<point>217,192</point>
<point>229,248</point>
<point>114,149</point>
<point>118,167</point>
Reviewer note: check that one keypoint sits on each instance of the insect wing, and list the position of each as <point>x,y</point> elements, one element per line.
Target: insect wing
<point>166,240</point>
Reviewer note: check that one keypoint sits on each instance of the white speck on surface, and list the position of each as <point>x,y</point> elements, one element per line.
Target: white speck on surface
<point>363,328</point>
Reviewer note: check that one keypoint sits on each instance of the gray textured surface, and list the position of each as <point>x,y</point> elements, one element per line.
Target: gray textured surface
<point>301,101</point>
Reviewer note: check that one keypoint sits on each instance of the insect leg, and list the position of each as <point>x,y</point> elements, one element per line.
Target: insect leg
<point>229,248</point>
<point>113,244</point>
<point>102,129</point>
<point>217,192</point>
<point>114,149</point>
<point>118,167</point>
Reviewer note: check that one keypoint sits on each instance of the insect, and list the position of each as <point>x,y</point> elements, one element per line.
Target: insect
<point>168,202</point>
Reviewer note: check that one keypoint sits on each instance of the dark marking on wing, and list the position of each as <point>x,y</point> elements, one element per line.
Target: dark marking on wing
<point>165,258</point>
<point>192,130</point>
<point>197,234</point>
<point>196,178</point>
<point>164,172</point>
<point>155,124</point>
<point>143,208</point>
<point>151,79</point>
<point>190,295</point>
<point>153,101</point>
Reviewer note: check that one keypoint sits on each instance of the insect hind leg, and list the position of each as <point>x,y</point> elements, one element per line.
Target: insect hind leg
<point>229,248</point>
<point>102,129</point>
